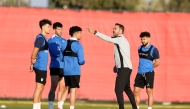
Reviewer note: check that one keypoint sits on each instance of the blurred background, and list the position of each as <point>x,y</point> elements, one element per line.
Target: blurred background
<point>168,22</point>
<point>112,5</point>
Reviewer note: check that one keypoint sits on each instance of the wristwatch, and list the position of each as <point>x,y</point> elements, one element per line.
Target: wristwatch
<point>95,32</point>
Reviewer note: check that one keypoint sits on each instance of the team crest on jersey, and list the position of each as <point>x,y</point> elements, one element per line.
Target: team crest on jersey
<point>58,48</point>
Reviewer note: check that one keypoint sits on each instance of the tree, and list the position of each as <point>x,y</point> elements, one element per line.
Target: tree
<point>163,5</point>
<point>128,5</point>
<point>151,5</point>
<point>96,4</point>
<point>14,3</point>
<point>58,3</point>
<point>125,4</point>
<point>179,5</point>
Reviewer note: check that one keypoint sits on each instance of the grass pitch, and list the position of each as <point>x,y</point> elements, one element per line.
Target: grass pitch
<point>21,104</point>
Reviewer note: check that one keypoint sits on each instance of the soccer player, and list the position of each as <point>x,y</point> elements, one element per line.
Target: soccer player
<point>39,61</point>
<point>145,76</point>
<point>73,59</point>
<point>56,64</point>
<point>123,63</point>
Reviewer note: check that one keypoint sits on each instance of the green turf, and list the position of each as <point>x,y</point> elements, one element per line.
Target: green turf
<point>16,104</point>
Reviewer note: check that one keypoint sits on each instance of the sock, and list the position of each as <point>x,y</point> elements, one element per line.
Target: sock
<point>72,107</point>
<point>60,104</point>
<point>35,106</point>
<point>39,105</point>
<point>138,107</point>
<point>149,107</point>
<point>50,104</point>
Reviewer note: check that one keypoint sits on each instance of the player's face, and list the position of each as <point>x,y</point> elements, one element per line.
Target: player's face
<point>116,30</point>
<point>58,31</point>
<point>145,40</point>
<point>79,35</point>
<point>46,28</point>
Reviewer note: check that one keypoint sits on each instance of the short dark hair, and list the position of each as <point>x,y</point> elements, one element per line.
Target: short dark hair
<point>144,34</point>
<point>57,24</point>
<point>121,27</point>
<point>74,29</point>
<point>44,22</point>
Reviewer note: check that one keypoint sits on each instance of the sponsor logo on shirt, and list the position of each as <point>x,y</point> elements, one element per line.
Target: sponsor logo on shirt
<point>68,51</point>
<point>143,54</point>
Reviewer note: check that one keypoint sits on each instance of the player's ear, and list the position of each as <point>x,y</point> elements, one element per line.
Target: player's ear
<point>43,27</point>
<point>120,30</point>
<point>148,38</point>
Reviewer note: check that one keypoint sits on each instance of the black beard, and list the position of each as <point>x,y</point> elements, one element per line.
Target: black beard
<point>145,44</point>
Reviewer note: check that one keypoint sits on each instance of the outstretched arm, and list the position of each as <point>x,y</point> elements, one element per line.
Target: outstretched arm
<point>104,37</point>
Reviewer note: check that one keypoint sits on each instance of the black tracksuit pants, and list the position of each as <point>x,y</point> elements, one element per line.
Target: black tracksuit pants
<point>123,84</point>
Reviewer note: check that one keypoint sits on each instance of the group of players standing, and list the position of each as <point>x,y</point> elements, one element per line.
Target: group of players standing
<point>68,55</point>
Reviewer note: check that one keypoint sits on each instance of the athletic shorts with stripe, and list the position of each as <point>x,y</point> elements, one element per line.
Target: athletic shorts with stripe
<point>40,76</point>
<point>146,79</point>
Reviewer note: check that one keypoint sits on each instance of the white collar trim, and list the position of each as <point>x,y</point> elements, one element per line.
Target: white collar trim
<point>72,38</point>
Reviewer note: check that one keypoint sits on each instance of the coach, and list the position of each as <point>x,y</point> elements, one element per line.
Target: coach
<point>123,65</point>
